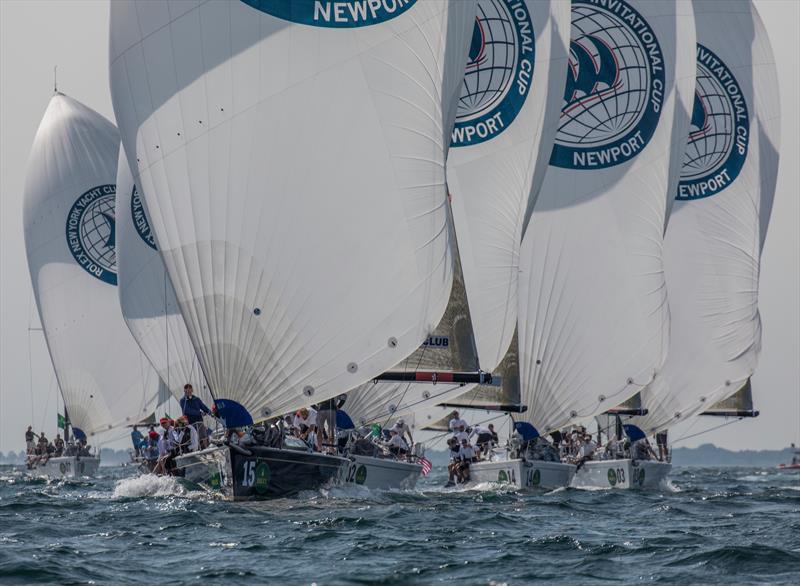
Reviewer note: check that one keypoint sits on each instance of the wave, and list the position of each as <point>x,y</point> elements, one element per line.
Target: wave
<point>149,485</point>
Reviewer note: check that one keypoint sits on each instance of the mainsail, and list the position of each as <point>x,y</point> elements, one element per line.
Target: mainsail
<point>69,220</point>
<point>720,216</point>
<point>593,317</point>
<point>146,295</point>
<point>291,156</point>
<point>505,123</point>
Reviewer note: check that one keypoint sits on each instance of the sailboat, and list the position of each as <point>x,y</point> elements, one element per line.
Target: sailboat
<point>719,221</point>
<point>593,318</point>
<point>69,223</point>
<point>291,160</point>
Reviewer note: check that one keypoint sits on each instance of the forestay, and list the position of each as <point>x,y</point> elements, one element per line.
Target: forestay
<point>146,295</point>
<point>719,222</point>
<point>69,221</point>
<point>593,317</point>
<point>291,156</point>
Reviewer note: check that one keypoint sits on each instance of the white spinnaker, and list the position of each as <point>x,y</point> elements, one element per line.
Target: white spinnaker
<point>146,295</point>
<point>719,220</point>
<point>501,144</point>
<point>593,317</point>
<point>294,176</point>
<point>69,237</point>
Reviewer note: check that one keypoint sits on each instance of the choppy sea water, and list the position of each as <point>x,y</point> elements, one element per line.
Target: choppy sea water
<point>713,526</point>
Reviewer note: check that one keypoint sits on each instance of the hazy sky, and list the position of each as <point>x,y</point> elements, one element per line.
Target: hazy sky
<point>36,35</point>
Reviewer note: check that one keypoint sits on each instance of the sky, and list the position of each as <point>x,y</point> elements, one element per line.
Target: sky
<point>37,35</point>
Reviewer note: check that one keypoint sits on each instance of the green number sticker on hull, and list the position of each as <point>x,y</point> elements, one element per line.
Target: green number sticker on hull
<point>262,478</point>
<point>361,474</point>
<point>612,477</point>
<point>502,476</point>
<point>537,478</point>
<point>215,481</point>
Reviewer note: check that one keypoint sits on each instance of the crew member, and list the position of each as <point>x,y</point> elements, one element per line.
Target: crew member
<point>29,440</point>
<point>193,408</point>
<point>403,430</point>
<point>136,440</point>
<point>326,419</point>
<point>456,422</point>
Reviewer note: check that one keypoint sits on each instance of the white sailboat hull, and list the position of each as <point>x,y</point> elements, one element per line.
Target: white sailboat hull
<point>381,473</point>
<point>630,474</point>
<point>68,467</point>
<point>524,474</point>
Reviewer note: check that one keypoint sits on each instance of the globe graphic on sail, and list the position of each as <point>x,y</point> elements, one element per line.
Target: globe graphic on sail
<point>711,134</point>
<point>492,60</point>
<point>98,232</point>
<point>608,80</point>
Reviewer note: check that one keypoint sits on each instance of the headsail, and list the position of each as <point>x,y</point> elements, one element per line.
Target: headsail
<point>593,318</point>
<point>292,159</point>
<point>719,221</point>
<point>146,295</point>
<point>69,220</point>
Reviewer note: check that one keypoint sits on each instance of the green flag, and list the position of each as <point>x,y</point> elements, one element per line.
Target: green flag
<point>62,421</point>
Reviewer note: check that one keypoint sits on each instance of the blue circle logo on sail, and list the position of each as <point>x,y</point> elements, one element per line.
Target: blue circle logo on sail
<point>719,133</point>
<point>140,220</point>
<point>333,13</point>
<point>91,232</point>
<point>498,76</point>
<point>615,87</point>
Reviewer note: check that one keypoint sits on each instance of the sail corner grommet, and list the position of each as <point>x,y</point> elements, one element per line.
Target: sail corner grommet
<point>392,342</point>
<point>630,381</point>
<point>266,412</point>
<point>308,390</point>
<point>352,368</point>
<point>601,398</point>
<point>257,311</point>
<point>573,414</point>
<point>426,395</point>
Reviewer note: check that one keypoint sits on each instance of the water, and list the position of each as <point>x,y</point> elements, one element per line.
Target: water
<point>715,526</point>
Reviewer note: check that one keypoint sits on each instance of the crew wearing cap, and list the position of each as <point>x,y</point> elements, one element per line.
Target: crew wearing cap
<point>403,429</point>
<point>456,422</point>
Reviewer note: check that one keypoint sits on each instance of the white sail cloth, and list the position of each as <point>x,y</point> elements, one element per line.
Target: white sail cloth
<point>593,317</point>
<point>146,295</point>
<point>499,153</point>
<point>507,115</point>
<point>719,221</point>
<point>292,159</point>
<point>69,219</point>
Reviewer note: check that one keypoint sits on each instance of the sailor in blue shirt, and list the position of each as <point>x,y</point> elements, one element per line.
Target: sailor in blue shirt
<point>193,407</point>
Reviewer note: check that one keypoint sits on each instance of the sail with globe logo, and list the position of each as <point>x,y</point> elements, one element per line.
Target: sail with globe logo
<point>719,220</point>
<point>70,237</point>
<point>593,316</point>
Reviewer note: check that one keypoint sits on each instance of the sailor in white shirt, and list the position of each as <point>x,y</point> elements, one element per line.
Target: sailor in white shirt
<point>396,444</point>
<point>403,429</point>
<point>456,422</point>
<point>306,416</point>
<point>467,452</point>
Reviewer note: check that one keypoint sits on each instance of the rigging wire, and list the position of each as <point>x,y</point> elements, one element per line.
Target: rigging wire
<point>710,429</point>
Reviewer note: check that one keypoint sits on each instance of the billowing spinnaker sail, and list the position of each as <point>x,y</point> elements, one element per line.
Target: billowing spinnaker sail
<point>292,159</point>
<point>593,318</point>
<point>719,219</point>
<point>146,295</point>
<point>508,113</point>
<point>69,219</point>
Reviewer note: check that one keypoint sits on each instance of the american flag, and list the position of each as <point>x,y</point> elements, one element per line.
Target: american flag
<point>426,465</point>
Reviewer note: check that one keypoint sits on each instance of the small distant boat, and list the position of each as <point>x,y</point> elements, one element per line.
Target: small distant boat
<point>794,464</point>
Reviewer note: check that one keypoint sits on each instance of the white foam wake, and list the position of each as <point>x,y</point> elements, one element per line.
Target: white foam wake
<point>148,485</point>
